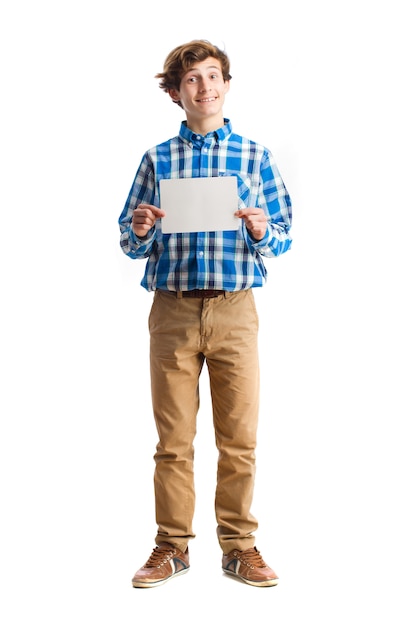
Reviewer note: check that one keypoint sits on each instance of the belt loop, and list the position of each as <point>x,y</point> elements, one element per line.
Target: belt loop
<point>179,294</point>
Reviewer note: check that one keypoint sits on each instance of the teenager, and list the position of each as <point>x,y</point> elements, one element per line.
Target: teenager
<point>203,310</point>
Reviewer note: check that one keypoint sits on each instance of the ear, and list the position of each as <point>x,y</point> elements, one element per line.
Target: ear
<point>226,86</point>
<point>174,95</point>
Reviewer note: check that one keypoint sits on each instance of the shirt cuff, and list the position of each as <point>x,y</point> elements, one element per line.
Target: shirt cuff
<point>139,242</point>
<point>262,243</point>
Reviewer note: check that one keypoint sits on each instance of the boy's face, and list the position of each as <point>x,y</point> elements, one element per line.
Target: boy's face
<point>202,92</point>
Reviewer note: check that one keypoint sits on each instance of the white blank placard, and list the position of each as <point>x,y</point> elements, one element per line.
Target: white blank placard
<point>199,204</point>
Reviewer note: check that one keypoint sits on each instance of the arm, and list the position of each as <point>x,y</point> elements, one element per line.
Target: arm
<point>268,226</point>
<point>137,232</point>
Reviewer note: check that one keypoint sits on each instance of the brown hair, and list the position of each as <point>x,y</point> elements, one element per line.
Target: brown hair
<point>182,58</point>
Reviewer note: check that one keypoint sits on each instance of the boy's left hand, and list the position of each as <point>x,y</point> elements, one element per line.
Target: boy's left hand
<point>255,221</point>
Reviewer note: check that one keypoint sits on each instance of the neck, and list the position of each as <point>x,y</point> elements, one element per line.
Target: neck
<point>203,127</point>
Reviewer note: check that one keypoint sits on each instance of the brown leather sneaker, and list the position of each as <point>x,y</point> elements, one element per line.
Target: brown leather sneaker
<point>249,566</point>
<point>164,563</point>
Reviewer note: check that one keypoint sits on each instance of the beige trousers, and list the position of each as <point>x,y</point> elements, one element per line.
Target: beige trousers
<point>184,332</point>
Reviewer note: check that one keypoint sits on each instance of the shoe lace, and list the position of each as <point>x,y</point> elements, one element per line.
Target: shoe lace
<point>251,558</point>
<point>160,555</point>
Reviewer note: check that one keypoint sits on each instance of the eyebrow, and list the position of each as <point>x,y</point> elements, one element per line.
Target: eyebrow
<point>210,67</point>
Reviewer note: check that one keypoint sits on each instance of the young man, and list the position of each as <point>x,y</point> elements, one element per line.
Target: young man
<point>204,310</point>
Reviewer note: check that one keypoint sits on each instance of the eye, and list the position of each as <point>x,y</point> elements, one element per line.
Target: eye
<point>192,79</point>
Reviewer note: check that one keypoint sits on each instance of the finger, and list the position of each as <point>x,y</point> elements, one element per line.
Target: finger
<point>153,209</point>
<point>158,212</point>
<point>240,213</point>
<point>249,212</point>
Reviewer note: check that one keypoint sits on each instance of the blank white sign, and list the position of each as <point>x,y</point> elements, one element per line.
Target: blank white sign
<point>199,204</point>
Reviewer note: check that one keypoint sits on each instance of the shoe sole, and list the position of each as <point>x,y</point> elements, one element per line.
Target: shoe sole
<point>148,584</point>
<point>254,583</point>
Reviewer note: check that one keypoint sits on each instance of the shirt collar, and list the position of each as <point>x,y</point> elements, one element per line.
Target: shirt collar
<point>187,135</point>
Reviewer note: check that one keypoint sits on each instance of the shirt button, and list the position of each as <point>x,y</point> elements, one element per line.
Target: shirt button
<point>201,253</point>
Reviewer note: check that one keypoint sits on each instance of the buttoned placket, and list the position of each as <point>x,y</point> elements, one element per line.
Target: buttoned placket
<point>202,145</point>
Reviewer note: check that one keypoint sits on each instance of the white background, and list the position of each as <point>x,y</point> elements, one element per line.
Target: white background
<point>317,82</point>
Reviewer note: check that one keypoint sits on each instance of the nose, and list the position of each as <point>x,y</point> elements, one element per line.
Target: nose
<point>205,86</point>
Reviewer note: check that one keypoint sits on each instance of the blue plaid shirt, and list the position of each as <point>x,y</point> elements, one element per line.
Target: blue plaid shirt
<point>229,260</point>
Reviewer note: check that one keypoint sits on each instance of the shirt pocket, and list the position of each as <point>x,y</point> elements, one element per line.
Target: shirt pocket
<point>243,187</point>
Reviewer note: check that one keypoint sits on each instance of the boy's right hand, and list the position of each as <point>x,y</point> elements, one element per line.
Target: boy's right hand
<point>144,218</point>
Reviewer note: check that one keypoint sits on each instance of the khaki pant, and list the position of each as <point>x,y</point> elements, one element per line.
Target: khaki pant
<point>184,332</point>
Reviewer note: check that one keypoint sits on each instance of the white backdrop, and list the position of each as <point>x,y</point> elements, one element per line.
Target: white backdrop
<point>317,83</point>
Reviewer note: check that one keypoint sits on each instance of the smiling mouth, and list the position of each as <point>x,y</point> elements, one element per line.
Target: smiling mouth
<point>212,99</point>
